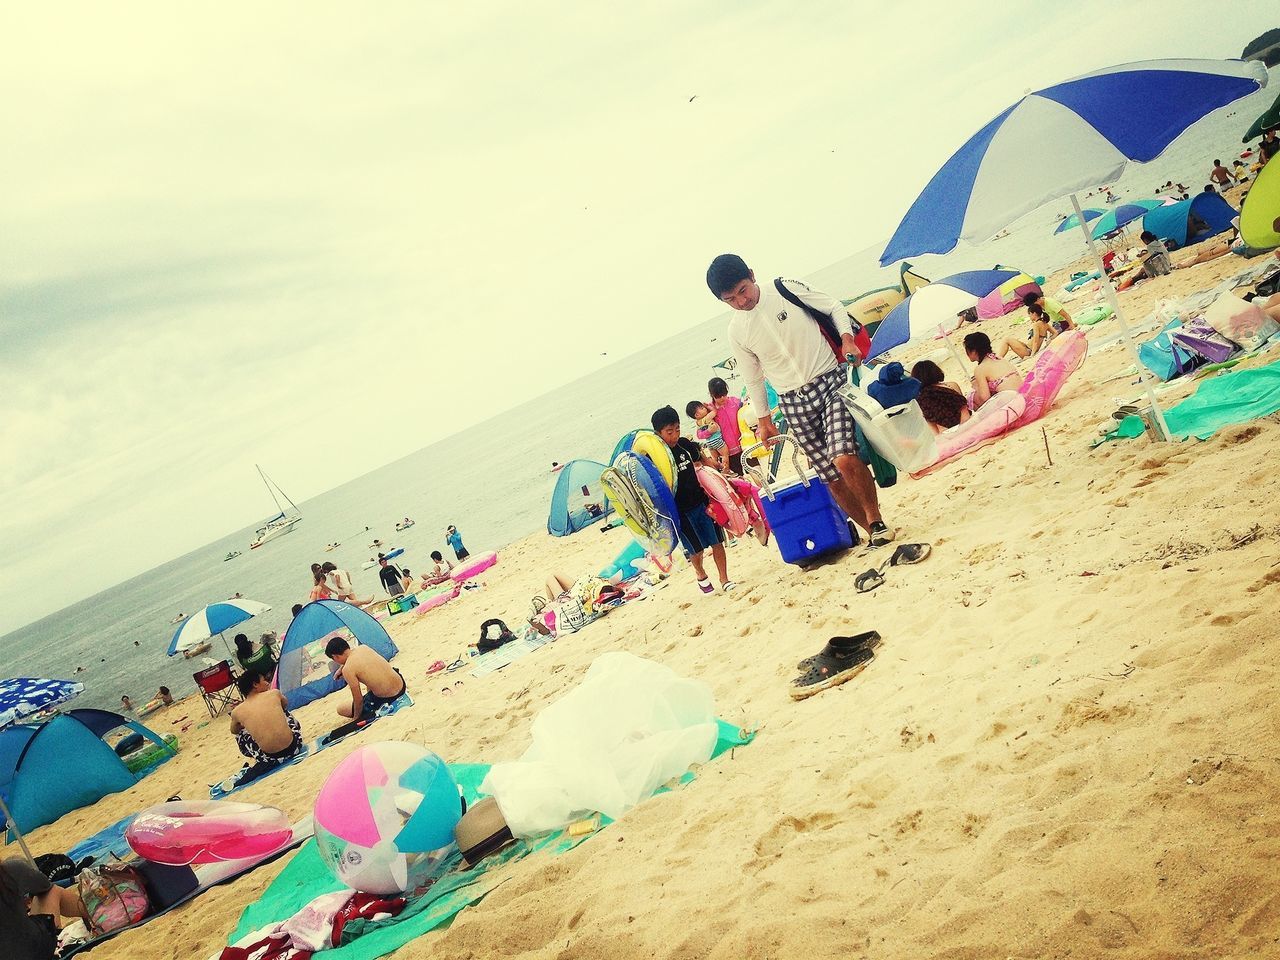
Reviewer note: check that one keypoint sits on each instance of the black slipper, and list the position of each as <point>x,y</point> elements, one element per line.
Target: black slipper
<point>830,671</point>
<point>842,645</point>
<point>868,580</point>
<point>909,553</point>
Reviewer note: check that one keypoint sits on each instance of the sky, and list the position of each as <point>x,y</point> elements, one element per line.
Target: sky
<point>225,227</point>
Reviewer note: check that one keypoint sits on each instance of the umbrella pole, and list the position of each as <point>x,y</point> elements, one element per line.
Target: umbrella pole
<point>12,825</point>
<point>955,354</point>
<point>1110,290</point>
<point>223,637</point>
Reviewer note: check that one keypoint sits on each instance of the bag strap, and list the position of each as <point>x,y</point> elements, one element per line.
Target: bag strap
<point>825,323</point>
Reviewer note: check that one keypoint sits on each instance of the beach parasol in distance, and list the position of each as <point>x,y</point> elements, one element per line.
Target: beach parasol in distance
<point>1068,137</point>
<point>1119,217</point>
<point>214,620</point>
<point>1073,221</point>
<point>1270,119</point>
<point>937,303</point>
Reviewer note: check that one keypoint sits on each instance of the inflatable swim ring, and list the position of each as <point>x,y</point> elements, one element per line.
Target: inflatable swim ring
<point>183,832</point>
<point>649,445</point>
<point>473,566</point>
<point>724,500</point>
<point>437,598</point>
<point>1094,314</point>
<point>749,439</point>
<point>642,499</point>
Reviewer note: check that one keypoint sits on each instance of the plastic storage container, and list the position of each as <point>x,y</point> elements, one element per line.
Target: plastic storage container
<point>900,434</point>
<point>805,519</point>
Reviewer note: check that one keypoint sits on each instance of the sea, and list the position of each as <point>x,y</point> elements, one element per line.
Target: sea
<point>493,481</point>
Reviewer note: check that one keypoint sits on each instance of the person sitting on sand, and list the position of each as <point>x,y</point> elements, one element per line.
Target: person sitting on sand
<point>992,374</point>
<point>29,906</point>
<point>254,658</point>
<point>372,681</point>
<point>342,587</point>
<point>406,581</point>
<point>1058,316</point>
<point>1155,262</point>
<point>439,573</point>
<point>942,403</point>
<point>320,587</point>
<point>265,731</point>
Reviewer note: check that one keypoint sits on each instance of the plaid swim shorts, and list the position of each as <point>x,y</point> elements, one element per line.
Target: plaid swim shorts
<point>821,423</point>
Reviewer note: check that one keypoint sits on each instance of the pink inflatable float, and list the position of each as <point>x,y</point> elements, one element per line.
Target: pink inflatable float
<point>473,566</point>
<point>437,600</point>
<point>727,508</point>
<point>184,832</point>
<point>1008,410</point>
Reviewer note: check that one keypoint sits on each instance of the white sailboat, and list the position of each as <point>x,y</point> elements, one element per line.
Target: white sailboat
<point>283,522</point>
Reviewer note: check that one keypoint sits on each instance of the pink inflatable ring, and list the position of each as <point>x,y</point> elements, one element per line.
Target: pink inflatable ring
<point>473,567</point>
<point>183,832</point>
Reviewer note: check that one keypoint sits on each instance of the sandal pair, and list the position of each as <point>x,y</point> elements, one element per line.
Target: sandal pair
<point>906,553</point>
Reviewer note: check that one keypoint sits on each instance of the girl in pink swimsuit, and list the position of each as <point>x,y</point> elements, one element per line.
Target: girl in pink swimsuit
<point>992,374</point>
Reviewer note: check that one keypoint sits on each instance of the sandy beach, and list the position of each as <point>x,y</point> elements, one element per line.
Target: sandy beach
<point>1065,746</point>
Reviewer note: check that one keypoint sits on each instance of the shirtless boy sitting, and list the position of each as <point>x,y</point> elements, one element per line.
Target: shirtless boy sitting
<point>372,681</point>
<point>265,731</point>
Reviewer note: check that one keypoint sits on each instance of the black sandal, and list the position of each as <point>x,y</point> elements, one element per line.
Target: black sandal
<point>869,641</point>
<point>830,671</point>
<point>910,553</point>
<point>868,580</point>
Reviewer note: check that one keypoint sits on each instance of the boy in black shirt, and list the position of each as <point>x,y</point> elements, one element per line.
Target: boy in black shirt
<point>698,531</point>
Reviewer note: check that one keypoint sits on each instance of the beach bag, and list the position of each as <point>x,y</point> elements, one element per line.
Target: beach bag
<point>114,896</point>
<point>1241,321</point>
<point>886,473</point>
<point>1165,358</point>
<point>827,324</point>
<point>1199,337</point>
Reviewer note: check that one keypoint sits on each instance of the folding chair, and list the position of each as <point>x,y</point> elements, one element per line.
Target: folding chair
<point>217,687</point>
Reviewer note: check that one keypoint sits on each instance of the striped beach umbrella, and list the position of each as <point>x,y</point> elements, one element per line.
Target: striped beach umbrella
<point>1068,137</point>
<point>925,311</point>
<point>1071,222</point>
<point>212,621</point>
<point>1118,217</point>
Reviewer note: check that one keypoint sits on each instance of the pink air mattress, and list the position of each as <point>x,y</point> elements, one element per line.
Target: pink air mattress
<point>473,566</point>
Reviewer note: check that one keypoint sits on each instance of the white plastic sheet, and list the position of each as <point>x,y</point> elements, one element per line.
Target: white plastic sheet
<point>629,727</point>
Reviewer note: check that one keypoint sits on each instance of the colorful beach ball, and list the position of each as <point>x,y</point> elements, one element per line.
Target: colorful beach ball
<point>385,816</point>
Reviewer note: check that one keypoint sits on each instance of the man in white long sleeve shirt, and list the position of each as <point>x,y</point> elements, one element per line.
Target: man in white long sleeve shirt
<point>775,338</point>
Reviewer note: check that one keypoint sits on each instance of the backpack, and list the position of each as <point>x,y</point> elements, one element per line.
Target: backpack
<point>113,896</point>
<point>827,324</point>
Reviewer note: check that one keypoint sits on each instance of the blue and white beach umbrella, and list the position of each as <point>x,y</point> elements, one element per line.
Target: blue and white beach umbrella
<point>1117,217</point>
<point>1070,223</point>
<point>213,620</point>
<point>933,305</point>
<point>1071,136</point>
<point>20,697</point>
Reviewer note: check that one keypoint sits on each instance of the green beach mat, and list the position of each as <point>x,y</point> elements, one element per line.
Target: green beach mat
<point>306,877</point>
<point>1236,397</point>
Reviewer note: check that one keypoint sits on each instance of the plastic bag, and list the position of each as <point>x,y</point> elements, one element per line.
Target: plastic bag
<point>1241,321</point>
<point>607,744</point>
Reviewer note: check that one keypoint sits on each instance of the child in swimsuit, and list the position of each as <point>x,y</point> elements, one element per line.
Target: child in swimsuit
<point>992,374</point>
<point>708,432</point>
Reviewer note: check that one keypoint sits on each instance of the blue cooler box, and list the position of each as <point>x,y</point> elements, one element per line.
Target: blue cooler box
<point>804,516</point>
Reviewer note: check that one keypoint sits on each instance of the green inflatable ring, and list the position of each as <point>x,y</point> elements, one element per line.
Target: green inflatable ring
<point>1095,314</point>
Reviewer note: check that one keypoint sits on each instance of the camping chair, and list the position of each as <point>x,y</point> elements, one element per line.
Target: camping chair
<point>217,687</point>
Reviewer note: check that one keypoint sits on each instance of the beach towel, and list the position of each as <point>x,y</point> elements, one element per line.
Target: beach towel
<point>1236,397</point>
<point>454,889</point>
<point>225,788</point>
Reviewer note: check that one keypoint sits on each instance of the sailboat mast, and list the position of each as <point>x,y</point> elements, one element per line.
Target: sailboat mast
<point>273,488</point>
<point>267,484</point>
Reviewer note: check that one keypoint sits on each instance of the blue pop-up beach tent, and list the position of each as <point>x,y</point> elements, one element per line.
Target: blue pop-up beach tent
<point>300,654</point>
<point>1174,222</point>
<point>577,491</point>
<point>49,769</point>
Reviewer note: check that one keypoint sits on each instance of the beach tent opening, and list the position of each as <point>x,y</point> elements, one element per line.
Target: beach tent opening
<point>49,769</point>
<point>304,673</point>
<point>1190,221</point>
<point>578,500</point>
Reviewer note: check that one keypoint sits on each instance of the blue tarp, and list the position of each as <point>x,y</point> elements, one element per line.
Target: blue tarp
<point>577,489</point>
<point>314,621</point>
<point>1174,221</point>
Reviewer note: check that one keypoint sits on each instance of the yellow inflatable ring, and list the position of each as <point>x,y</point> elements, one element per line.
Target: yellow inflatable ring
<point>646,443</point>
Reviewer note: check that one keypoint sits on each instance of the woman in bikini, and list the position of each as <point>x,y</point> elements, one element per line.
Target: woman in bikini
<point>943,404</point>
<point>320,591</point>
<point>992,374</point>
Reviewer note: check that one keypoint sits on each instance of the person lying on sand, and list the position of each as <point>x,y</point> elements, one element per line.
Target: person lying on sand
<point>265,731</point>
<point>992,373</point>
<point>372,681</point>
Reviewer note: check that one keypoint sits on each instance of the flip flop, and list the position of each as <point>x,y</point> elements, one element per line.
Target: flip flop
<point>868,580</point>
<point>706,587</point>
<point>436,667</point>
<point>909,553</point>
<point>829,671</point>
<point>869,640</point>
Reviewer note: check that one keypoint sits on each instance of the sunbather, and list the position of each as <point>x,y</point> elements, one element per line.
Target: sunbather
<point>372,681</point>
<point>992,373</point>
<point>265,731</point>
<point>27,924</point>
<point>942,403</point>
